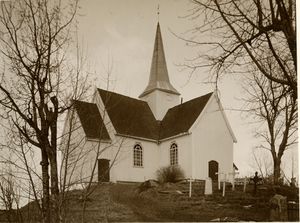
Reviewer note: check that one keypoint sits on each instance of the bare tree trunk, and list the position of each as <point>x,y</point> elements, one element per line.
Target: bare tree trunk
<point>53,160</point>
<point>46,195</point>
<point>54,188</point>
<point>276,174</point>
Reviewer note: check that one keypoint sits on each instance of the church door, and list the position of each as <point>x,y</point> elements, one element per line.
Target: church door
<point>103,170</point>
<point>213,168</point>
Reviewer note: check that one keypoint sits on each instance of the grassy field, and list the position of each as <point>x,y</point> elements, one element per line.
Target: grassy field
<point>154,206</point>
<point>124,202</point>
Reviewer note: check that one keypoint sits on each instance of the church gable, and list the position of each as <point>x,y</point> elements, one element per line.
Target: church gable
<point>214,112</point>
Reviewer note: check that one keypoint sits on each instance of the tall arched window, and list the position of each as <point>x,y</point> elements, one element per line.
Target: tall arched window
<point>138,155</point>
<point>174,154</point>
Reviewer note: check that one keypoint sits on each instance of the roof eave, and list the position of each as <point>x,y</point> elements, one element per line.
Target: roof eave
<point>175,136</point>
<point>97,139</point>
<point>226,119</point>
<point>136,137</point>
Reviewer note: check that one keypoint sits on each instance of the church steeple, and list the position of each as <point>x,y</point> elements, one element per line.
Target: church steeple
<point>159,93</point>
<point>159,77</point>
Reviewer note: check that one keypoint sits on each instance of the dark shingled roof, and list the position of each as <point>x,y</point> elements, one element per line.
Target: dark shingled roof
<point>180,118</point>
<point>134,117</point>
<point>130,116</point>
<point>91,120</point>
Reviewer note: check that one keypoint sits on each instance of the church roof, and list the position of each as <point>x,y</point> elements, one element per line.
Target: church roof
<point>130,116</point>
<point>180,118</point>
<point>133,117</point>
<point>159,77</point>
<point>91,120</point>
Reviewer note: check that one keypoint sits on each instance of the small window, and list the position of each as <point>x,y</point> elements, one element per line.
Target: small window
<point>138,155</point>
<point>174,154</point>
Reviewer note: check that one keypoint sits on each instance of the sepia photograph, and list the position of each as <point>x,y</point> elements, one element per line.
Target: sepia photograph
<point>148,111</point>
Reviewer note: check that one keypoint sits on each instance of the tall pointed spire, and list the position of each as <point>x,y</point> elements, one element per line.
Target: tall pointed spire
<point>159,78</point>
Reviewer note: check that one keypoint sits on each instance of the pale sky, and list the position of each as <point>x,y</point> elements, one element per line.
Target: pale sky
<point>121,32</point>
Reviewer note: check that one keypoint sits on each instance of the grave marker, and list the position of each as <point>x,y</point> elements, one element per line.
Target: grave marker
<point>190,186</point>
<point>208,186</point>
<point>245,184</point>
<point>219,182</point>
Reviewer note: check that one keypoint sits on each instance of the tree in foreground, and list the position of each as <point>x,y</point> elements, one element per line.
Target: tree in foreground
<point>234,35</point>
<point>256,39</point>
<point>36,84</point>
<point>276,111</point>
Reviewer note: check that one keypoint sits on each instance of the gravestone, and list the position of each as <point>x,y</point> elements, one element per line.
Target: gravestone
<point>278,208</point>
<point>208,186</point>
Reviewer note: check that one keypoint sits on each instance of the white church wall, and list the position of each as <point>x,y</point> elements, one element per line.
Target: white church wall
<point>211,140</point>
<point>82,153</point>
<point>74,150</point>
<point>184,153</point>
<point>123,168</point>
<point>71,144</point>
<point>90,160</point>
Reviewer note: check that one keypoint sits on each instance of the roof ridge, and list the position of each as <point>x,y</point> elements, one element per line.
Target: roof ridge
<point>122,95</point>
<point>193,99</point>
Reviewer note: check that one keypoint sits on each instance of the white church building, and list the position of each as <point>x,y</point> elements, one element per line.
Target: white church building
<point>119,138</point>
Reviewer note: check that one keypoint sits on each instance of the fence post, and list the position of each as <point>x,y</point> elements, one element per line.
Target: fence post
<point>224,185</point>
<point>190,187</point>
<point>245,183</point>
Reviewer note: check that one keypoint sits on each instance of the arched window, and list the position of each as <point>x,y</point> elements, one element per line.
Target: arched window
<point>174,154</point>
<point>138,155</point>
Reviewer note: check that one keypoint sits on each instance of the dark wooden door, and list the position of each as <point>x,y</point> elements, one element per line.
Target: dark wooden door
<point>213,168</point>
<point>103,170</point>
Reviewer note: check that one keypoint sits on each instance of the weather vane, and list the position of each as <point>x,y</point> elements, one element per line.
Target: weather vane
<point>158,12</point>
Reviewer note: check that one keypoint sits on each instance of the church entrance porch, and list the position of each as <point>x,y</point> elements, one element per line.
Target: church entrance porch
<point>103,170</point>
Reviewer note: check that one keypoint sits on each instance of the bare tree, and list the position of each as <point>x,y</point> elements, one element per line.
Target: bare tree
<point>20,156</point>
<point>34,43</point>
<point>10,195</point>
<point>262,163</point>
<point>271,104</point>
<point>234,34</point>
<point>254,37</point>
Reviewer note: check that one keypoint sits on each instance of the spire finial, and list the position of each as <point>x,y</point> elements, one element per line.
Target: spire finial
<point>158,12</point>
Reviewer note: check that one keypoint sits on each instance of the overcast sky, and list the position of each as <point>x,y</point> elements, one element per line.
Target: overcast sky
<point>121,32</point>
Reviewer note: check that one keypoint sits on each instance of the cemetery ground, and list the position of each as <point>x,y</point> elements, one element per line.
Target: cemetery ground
<point>169,202</point>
